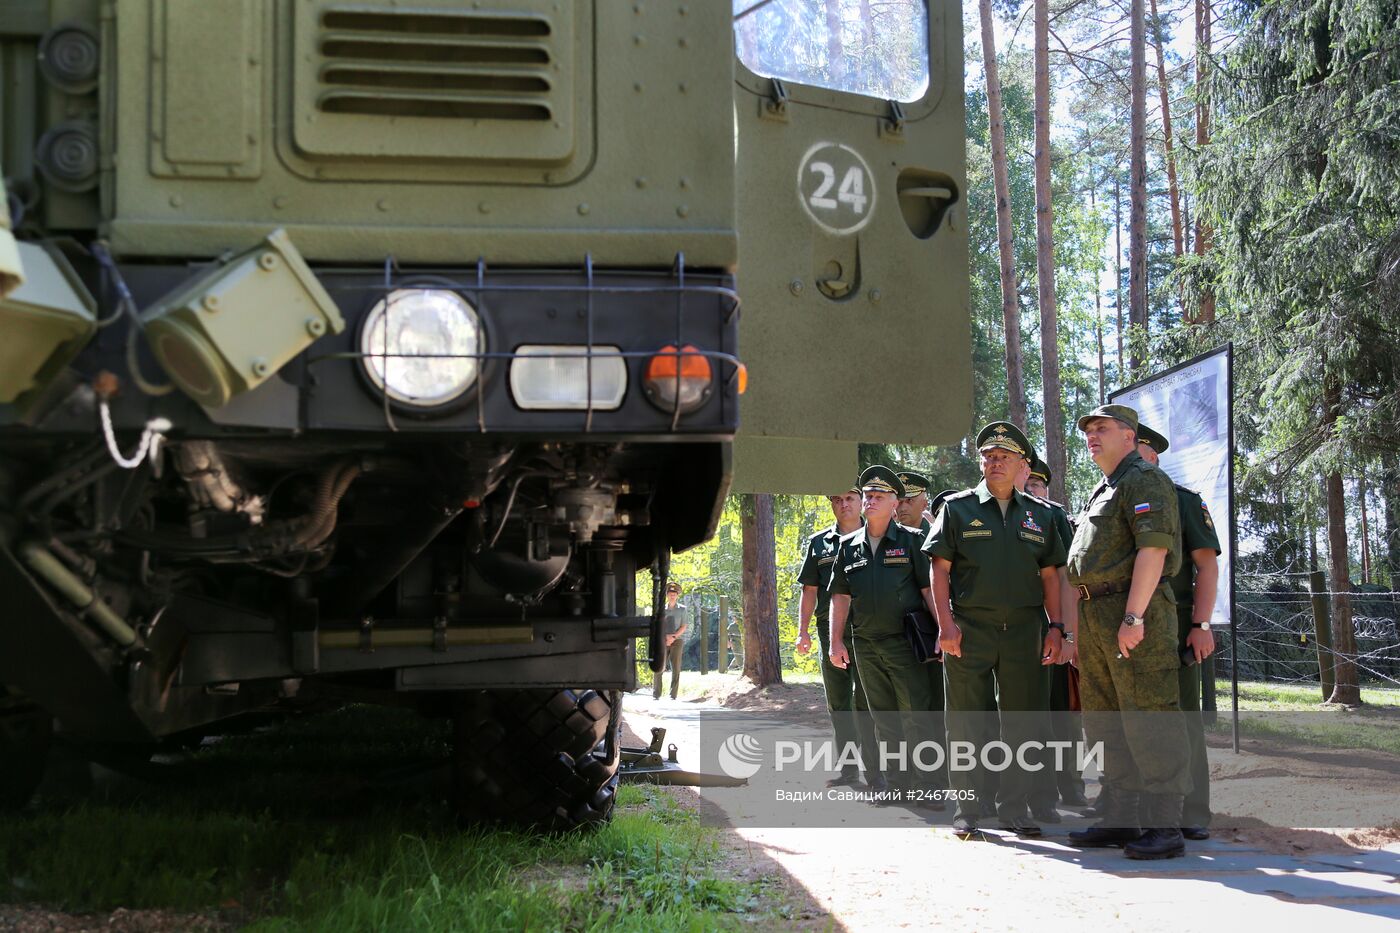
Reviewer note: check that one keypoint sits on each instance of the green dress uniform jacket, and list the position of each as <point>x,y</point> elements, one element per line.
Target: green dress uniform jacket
<point>883,586</point>
<point>998,602</point>
<point>1197,533</point>
<point>1134,507</point>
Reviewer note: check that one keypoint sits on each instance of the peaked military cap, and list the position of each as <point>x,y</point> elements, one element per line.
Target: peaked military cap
<point>1152,439</point>
<point>880,478</point>
<point>914,483</point>
<point>1007,436</point>
<point>1041,469</point>
<point>937,500</point>
<point>673,587</point>
<point>854,487</point>
<point>1121,413</point>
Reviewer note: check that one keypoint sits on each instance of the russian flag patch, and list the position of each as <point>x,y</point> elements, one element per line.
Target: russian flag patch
<point>1142,507</point>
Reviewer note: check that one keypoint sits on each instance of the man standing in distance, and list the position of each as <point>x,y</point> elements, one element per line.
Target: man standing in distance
<point>845,701</point>
<point>1195,587</point>
<point>879,575</point>
<point>995,552</point>
<point>1127,544</point>
<point>673,624</point>
<point>1064,783</point>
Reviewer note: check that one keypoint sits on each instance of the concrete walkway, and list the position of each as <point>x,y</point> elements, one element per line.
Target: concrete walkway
<point>910,872</point>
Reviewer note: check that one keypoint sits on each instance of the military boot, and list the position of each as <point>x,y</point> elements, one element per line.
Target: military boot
<point>1118,826</point>
<point>1163,837</point>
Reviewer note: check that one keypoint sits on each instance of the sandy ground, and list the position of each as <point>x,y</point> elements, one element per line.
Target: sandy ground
<point>910,872</point>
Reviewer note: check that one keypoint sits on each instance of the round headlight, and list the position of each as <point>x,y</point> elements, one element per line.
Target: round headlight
<point>419,346</point>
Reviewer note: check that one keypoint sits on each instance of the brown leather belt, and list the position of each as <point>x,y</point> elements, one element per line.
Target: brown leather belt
<point>1090,590</point>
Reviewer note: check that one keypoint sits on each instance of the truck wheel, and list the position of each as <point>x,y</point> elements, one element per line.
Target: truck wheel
<point>543,759</point>
<point>25,733</point>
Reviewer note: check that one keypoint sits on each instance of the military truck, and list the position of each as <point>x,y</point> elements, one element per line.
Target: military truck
<point>369,351</point>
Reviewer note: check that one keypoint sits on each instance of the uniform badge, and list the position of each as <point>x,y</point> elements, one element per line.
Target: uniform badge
<point>894,552</point>
<point>975,523</point>
<point>1142,508</point>
<point>1029,524</point>
<point>1206,510</point>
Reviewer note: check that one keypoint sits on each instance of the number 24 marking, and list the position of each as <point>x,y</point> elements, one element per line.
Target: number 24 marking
<point>852,190</point>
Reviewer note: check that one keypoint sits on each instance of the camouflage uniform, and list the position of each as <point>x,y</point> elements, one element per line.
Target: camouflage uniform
<point>1133,508</point>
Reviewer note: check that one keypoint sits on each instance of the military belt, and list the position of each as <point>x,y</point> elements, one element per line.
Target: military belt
<point>1090,590</point>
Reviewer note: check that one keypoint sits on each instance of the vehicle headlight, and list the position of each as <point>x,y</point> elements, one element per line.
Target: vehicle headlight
<point>419,346</point>
<point>556,376</point>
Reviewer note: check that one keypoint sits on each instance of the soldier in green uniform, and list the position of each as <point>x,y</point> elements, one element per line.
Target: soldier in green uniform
<point>845,701</point>
<point>879,575</point>
<point>1065,783</point>
<point>1127,545</point>
<point>1195,587</point>
<point>913,508</point>
<point>995,552</point>
<point>673,627</point>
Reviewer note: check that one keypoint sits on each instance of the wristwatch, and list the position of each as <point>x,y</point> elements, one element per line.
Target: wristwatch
<point>1069,638</point>
<point>1203,626</point>
<point>1060,626</point>
<point>1131,620</point>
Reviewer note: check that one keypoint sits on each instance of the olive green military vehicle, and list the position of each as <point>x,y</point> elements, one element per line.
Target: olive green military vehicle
<point>368,351</point>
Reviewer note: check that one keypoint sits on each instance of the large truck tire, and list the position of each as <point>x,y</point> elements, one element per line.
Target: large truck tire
<point>540,759</point>
<point>26,731</point>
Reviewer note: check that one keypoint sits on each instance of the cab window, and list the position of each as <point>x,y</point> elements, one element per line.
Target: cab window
<point>878,48</point>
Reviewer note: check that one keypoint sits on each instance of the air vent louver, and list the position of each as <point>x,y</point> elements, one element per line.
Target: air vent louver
<point>447,65</point>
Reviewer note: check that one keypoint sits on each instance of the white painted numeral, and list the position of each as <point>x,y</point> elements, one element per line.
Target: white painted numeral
<point>852,189</point>
<point>819,198</point>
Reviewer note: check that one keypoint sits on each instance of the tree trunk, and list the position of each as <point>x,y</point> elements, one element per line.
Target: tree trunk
<point>835,51</point>
<point>1390,497</point>
<point>762,664</point>
<point>1045,258</point>
<point>1098,301</point>
<point>1010,306</point>
<point>1365,528</point>
<point>1118,268</point>
<point>1206,312</point>
<point>1137,187</point>
<point>1348,688</point>
<point>1165,89</point>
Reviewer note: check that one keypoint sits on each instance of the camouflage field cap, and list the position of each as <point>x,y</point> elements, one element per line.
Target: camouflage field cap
<point>1007,436</point>
<point>879,478</point>
<point>1152,439</point>
<point>914,483</point>
<point>1117,412</point>
<point>1041,469</point>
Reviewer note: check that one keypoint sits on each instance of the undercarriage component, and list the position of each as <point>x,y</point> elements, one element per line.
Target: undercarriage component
<point>212,483</point>
<point>537,758</point>
<point>48,567</point>
<point>646,766</point>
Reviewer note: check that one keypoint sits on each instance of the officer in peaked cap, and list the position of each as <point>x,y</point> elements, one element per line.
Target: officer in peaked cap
<point>913,507</point>
<point>1127,544</point>
<point>1195,588</point>
<point>1066,725</point>
<point>880,575</point>
<point>845,700</point>
<point>995,552</point>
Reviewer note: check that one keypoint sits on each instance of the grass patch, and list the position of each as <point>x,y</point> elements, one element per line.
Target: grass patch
<point>295,829</point>
<point>1256,695</point>
<point>1296,712</point>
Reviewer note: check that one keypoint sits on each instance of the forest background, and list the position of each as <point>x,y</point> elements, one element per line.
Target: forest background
<point>1174,176</point>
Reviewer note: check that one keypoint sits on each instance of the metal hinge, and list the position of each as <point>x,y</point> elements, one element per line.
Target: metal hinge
<point>776,106</point>
<point>893,123</point>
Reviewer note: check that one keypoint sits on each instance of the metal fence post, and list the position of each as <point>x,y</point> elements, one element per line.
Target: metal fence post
<point>704,641</point>
<point>723,665</point>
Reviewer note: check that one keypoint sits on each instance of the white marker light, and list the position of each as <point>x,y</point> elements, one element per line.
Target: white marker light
<point>556,377</point>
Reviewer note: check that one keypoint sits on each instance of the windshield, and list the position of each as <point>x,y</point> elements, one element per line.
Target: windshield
<point>878,48</point>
